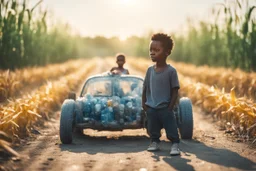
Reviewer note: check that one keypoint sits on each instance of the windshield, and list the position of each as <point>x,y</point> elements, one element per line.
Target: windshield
<point>98,87</point>
<point>113,86</point>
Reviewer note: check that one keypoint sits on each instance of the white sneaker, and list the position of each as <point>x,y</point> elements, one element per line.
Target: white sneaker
<point>175,149</point>
<point>154,146</point>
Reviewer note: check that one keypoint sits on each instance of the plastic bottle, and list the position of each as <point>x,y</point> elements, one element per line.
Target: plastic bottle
<point>129,111</point>
<point>121,109</point>
<point>97,111</point>
<point>103,100</point>
<point>122,101</point>
<point>87,108</point>
<point>116,99</point>
<point>116,111</point>
<point>88,96</point>
<point>104,117</point>
<point>138,114</point>
<point>111,114</point>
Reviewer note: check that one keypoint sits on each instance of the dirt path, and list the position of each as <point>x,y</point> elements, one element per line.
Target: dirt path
<point>126,150</point>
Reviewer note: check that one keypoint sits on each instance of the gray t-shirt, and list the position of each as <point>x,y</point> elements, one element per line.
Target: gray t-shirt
<point>158,86</point>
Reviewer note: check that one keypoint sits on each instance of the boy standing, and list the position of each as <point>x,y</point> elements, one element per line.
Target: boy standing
<point>160,92</point>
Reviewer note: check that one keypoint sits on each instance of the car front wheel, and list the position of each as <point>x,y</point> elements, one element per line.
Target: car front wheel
<point>66,121</point>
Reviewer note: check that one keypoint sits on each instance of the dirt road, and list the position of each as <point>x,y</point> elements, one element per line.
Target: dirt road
<point>126,150</point>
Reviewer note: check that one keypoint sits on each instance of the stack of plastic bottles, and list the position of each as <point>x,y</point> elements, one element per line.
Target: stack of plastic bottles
<point>112,110</point>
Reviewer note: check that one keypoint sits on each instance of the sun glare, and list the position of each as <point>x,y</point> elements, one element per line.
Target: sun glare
<point>127,2</point>
<point>123,38</point>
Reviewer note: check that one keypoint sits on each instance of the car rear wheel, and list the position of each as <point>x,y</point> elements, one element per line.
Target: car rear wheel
<point>186,118</point>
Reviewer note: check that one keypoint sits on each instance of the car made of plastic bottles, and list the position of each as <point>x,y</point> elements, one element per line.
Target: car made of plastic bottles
<point>113,103</point>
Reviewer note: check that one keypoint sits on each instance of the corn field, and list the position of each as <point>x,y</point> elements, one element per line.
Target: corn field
<point>27,40</point>
<point>243,83</point>
<point>12,82</point>
<point>227,39</point>
<point>18,116</point>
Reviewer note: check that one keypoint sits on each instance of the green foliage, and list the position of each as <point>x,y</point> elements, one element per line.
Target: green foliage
<point>26,40</point>
<point>230,41</point>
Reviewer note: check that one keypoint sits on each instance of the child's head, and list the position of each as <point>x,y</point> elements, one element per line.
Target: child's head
<point>161,46</point>
<point>120,60</point>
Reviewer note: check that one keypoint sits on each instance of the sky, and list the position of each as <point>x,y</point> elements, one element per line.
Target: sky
<point>124,18</point>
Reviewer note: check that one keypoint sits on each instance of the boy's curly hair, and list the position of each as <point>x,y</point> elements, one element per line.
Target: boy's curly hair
<point>166,40</point>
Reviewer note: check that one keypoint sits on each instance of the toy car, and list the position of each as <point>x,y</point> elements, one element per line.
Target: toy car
<point>113,102</point>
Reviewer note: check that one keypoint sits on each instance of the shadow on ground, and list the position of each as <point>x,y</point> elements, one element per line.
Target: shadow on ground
<point>192,149</point>
<point>105,144</point>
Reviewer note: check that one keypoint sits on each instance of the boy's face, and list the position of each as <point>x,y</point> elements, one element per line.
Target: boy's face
<point>156,51</point>
<point>120,61</point>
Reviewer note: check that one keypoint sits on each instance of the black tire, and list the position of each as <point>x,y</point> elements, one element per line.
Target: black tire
<point>186,117</point>
<point>66,121</point>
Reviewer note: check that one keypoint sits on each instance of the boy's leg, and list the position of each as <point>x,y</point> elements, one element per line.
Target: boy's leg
<point>170,125</point>
<point>154,125</point>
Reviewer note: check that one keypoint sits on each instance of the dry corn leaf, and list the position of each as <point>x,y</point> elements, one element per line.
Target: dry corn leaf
<point>34,113</point>
<point>5,145</point>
